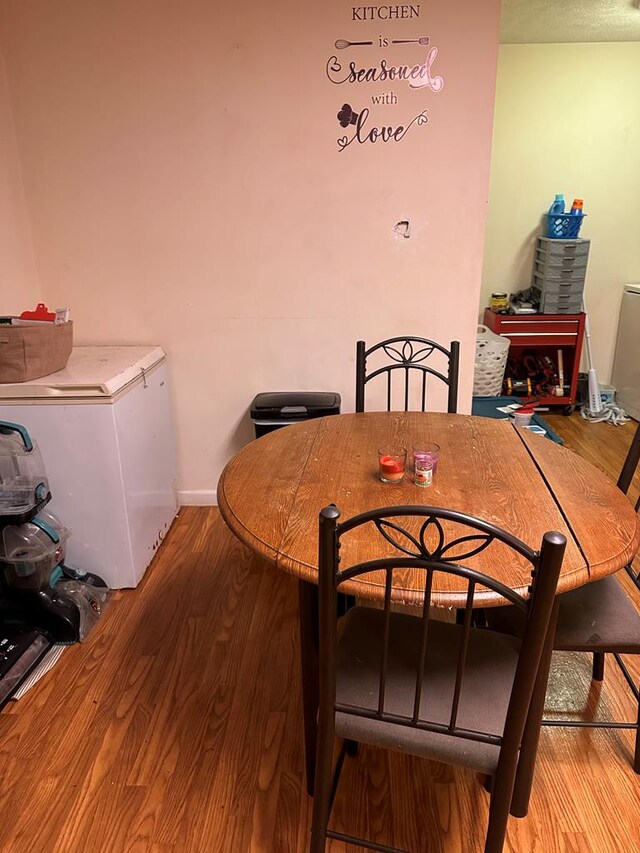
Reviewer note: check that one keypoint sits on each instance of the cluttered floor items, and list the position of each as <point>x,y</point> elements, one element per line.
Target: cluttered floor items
<point>598,407</point>
<point>542,327</point>
<point>508,408</point>
<point>536,373</point>
<point>43,601</point>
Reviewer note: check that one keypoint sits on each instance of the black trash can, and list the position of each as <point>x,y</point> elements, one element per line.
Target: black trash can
<point>276,409</point>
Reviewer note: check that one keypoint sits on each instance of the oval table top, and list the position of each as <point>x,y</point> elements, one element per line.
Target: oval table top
<point>271,492</point>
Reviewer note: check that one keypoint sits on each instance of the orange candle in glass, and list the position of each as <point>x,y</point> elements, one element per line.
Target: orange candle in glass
<point>391,464</point>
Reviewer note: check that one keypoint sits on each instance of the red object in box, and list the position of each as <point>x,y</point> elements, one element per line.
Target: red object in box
<point>41,313</point>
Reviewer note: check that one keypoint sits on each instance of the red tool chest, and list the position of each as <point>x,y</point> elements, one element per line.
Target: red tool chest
<point>544,335</point>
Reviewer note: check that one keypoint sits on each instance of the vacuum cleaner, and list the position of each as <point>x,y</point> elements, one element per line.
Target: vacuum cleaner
<point>37,590</point>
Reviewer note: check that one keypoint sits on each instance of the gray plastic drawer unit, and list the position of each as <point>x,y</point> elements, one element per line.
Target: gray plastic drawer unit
<point>547,273</point>
<point>560,303</point>
<point>564,285</point>
<point>563,248</point>
<point>551,288</point>
<point>559,272</point>
<point>560,262</point>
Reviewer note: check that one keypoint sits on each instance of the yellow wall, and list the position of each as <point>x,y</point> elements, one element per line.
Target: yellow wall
<point>568,120</point>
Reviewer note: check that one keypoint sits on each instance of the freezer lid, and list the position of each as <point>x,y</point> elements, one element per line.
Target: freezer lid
<point>632,288</point>
<point>92,373</point>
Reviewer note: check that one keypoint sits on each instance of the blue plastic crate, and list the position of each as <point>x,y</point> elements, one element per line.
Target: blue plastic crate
<point>563,226</point>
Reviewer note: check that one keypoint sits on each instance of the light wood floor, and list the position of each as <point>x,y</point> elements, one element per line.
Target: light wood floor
<point>177,727</point>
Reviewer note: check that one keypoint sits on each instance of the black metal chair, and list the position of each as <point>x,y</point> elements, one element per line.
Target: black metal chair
<point>448,692</point>
<point>598,618</point>
<point>407,355</point>
<point>629,468</point>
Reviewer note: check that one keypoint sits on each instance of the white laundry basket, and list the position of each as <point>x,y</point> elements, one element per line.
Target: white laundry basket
<point>491,361</point>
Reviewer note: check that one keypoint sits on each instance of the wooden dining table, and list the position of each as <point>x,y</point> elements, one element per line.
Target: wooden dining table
<point>270,495</point>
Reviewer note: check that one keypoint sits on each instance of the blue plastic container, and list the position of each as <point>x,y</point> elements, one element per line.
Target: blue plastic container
<point>565,227</point>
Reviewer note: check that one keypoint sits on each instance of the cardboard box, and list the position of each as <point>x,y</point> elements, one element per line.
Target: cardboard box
<point>34,350</point>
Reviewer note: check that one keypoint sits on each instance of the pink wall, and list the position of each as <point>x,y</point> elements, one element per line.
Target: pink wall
<point>18,277</point>
<point>186,188</point>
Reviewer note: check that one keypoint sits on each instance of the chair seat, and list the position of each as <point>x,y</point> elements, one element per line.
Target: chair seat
<point>599,617</point>
<point>488,679</point>
<point>596,617</point>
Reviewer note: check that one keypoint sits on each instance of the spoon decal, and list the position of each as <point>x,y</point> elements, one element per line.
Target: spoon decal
<point>424,40</point>
<point>342,43</point>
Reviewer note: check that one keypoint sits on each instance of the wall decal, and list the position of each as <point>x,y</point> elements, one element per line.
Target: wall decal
<point>423,40</point>
<point>363,127</point>
<point>347,117</point>
<point>417,76</point>
<point>342,43</point>
<point>384,13</point>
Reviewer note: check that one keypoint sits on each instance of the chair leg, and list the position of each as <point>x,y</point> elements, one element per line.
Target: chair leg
<point>322,793</point>
<point>529,745</point>
<point>479,617</point>
<point>498,812</point>
<point>636,757</point>
<point>598,666</point>
<point>345,603</point>
<point>308,617</point>
<point>528,752</point>
<point>351,748</point>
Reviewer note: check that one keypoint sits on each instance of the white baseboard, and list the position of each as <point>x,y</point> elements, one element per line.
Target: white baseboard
<point>198,497</point>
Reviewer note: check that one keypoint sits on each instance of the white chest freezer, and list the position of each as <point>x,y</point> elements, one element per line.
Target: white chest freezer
<point>625,375</point>
<point>106,435</point>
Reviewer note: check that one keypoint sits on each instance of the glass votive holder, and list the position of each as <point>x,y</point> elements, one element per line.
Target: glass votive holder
<point>422,471</point>
<point>391,464</point>
<point>425,463</point>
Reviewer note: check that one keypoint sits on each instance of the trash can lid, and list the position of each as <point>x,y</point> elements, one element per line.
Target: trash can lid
<point>291,405</point>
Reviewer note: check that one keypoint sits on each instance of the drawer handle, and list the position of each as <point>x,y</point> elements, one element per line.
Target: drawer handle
<point>539,334</point>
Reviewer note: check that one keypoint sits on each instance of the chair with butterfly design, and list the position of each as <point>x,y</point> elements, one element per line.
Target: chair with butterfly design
<point>431,688</point>
<point>599,618</point>
<point>407,358</point>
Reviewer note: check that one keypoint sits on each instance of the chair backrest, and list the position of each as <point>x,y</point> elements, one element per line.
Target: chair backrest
<point>631,466</point>
<point>625,479</point>
<point>407,356</point>
<point>407,532</point>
